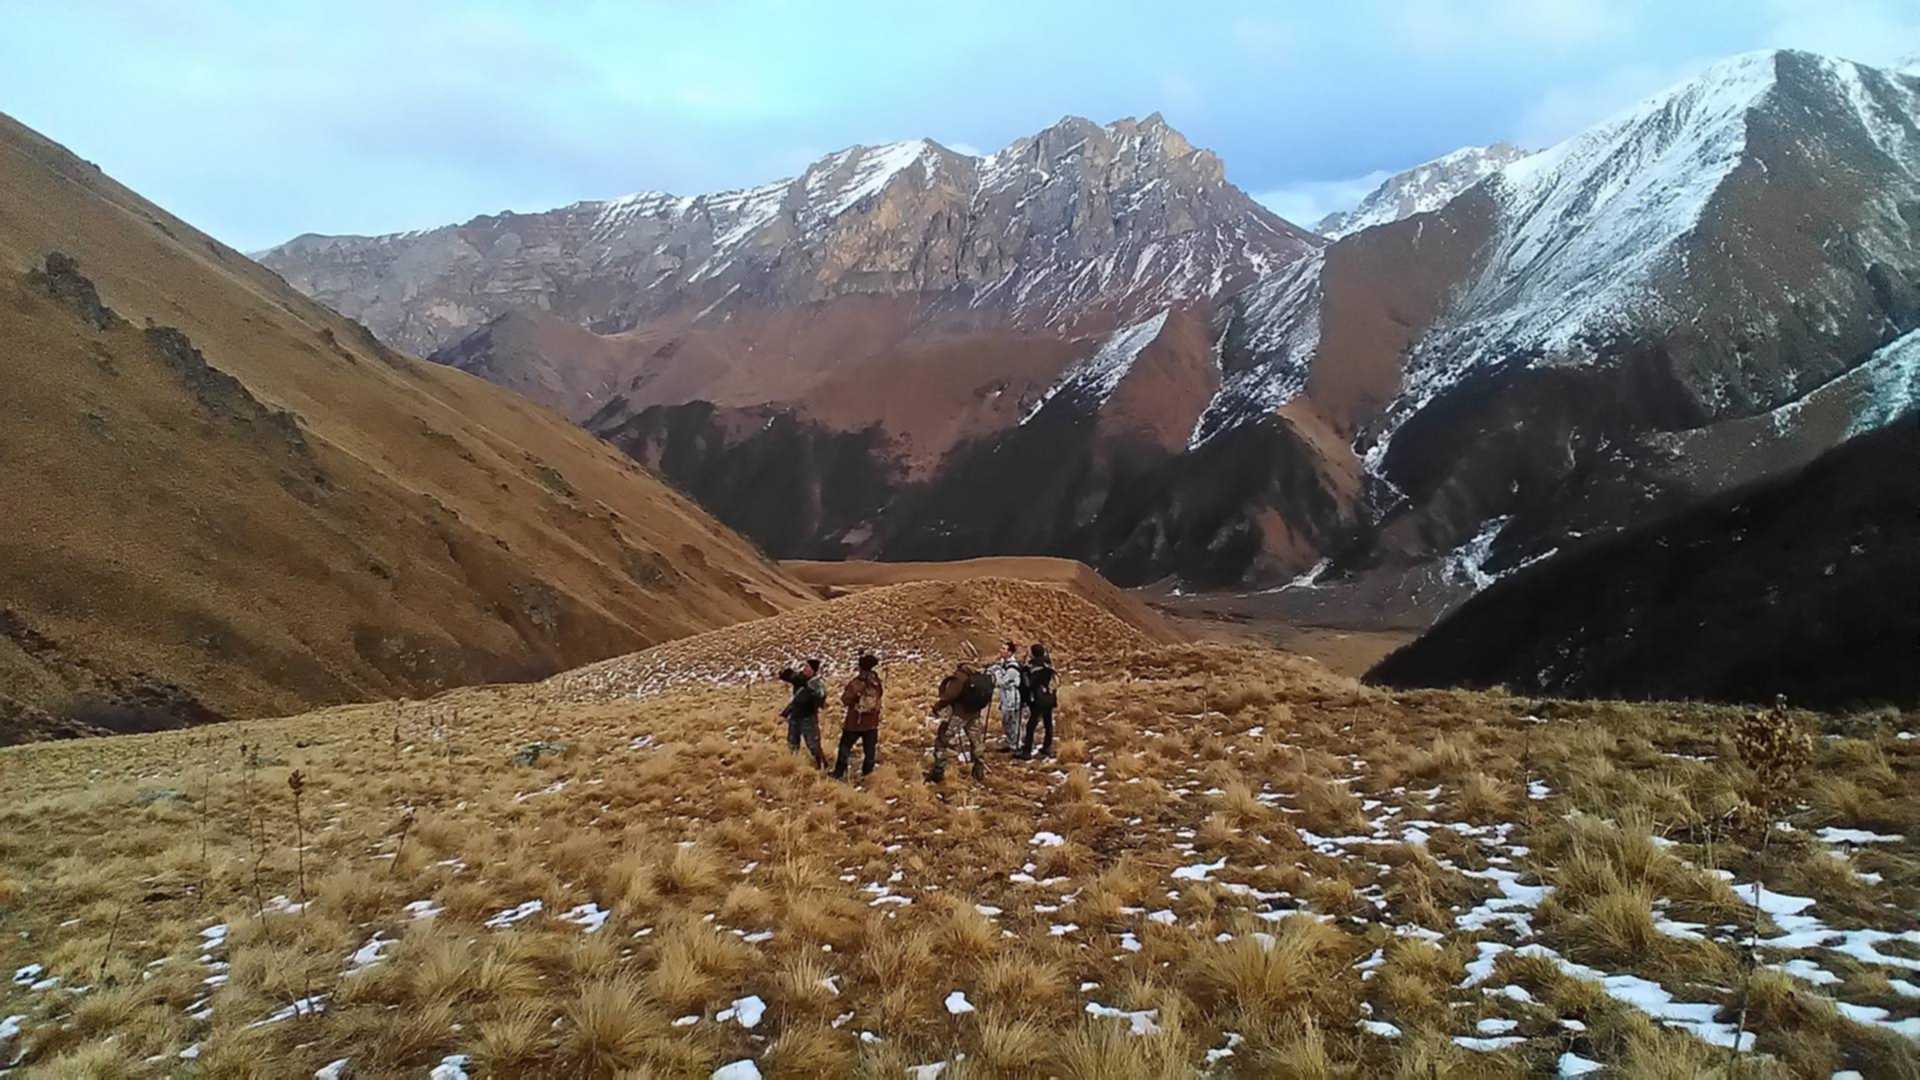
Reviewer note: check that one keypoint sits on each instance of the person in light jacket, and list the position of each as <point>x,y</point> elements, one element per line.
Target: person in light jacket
<point>1009,676</point>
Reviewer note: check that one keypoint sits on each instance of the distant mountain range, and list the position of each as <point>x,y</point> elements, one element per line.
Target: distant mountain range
<point>1091,344</point>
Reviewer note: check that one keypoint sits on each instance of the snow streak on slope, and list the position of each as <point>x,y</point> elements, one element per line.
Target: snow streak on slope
<point>1421,189</point>
<point>1096,377</point>
<point>1276,329</point>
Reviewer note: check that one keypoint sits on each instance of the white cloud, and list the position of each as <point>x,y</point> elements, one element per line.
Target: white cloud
<point>1444,26</point>
<point>1306,202</point>
<point>1870,31</point>
<point>966,148</point>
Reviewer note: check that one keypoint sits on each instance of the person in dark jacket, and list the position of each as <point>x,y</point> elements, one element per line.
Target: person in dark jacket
<point>861,696</point>
<point>803,709</point>
<point>1041,698</point>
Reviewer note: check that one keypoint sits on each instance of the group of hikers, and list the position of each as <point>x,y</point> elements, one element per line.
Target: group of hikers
<point>1022,688</point>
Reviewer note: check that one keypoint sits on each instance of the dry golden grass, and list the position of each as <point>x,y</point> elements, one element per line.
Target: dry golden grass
<point>1202,793</point>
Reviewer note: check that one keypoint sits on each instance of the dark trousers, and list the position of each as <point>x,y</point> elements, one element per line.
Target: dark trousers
<point>869,741</point>
<point>807,728</point>
<point>1037,715</point>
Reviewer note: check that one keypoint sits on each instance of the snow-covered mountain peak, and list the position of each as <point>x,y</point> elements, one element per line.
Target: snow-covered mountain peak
<point>838,182</point>
<point>1619,233</point>
<point>1425,187</point>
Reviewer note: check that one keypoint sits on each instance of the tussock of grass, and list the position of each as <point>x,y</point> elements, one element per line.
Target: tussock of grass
<point>609,1027</point>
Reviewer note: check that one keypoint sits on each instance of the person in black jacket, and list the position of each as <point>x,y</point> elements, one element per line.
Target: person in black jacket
<point>803,709</point>
<point>1040,700</point>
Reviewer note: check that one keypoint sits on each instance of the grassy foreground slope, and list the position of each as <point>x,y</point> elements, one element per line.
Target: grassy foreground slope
<point>223,499</point>
<point>1239,865</point>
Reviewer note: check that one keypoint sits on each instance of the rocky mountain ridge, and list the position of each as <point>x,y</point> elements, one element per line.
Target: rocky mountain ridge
<point>1078,222</point>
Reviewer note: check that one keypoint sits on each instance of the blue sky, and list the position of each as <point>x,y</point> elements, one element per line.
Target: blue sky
<point>261,121</point>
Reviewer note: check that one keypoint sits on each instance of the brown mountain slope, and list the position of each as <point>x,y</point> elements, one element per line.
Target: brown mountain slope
<point>223,499</point>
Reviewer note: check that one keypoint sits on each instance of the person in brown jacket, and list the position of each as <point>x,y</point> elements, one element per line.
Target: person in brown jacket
<point>861,696</point>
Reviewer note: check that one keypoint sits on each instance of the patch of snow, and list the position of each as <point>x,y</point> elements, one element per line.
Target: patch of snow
<point>1139,1021</point>
<point>1832,835</point>
<point>747,1011</point>
<point>1466,564</point>
<point>306,1006</point>
<point>1381,1028</point>
<point>957,1003</point>
<point>514,914</point>
<point>590,916</point>
<point>1199,871</point>
<point>1221,1053</point>
<point>1572,1064</point>
<point>369,954</point>
<point>744,1069</point>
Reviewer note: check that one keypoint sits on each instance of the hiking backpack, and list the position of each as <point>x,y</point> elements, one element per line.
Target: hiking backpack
<point>869,700</point>
<point>1043,692</point>
<point>977,692</point>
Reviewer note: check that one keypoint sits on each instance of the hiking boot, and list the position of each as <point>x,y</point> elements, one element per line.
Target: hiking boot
<point>979,769</point>
<point>936,774</point>
<point>1023,755</point>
